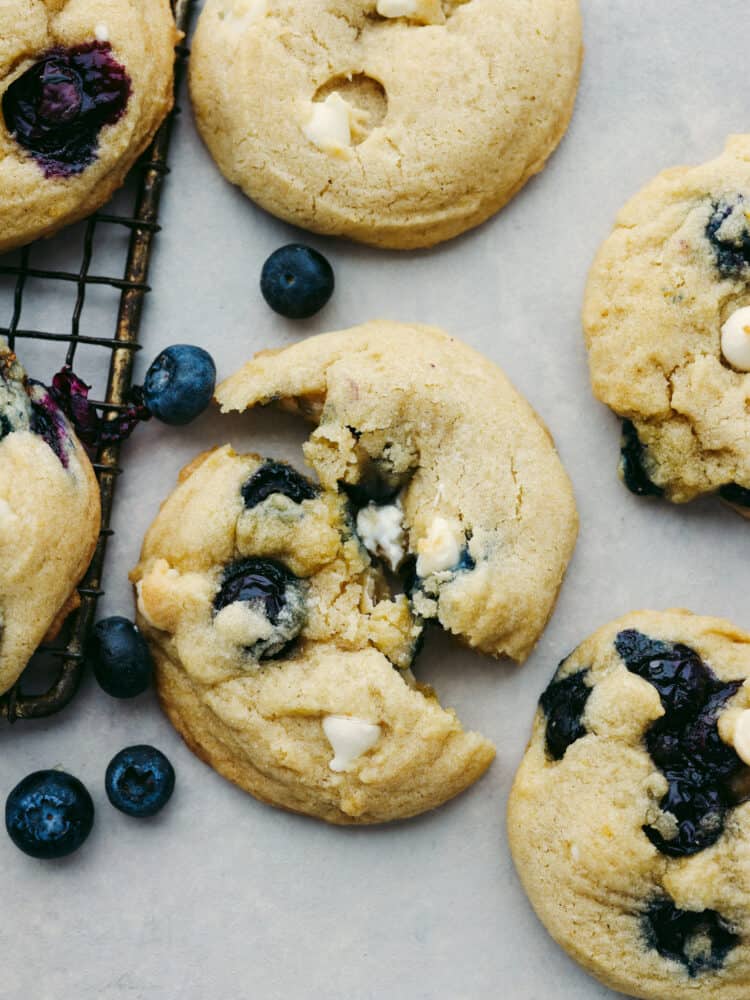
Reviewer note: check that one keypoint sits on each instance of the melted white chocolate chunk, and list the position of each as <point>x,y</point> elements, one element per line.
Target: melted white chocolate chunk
<point>421,11</point>
<point>440,550</point>
<point>350,738</point>
<point>735,339</point>
<point>381,531</point>
<point>332,123</point>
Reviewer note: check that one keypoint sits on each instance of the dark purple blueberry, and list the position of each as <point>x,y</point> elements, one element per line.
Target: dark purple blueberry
<point>735,494</point>
<point>120,657</point>
<point>5,426</point>
<point>296,281</point>
<point>48,422</point>
<point>139,781</point>
<point>634,472</point>
<point>563,703</point>
<point>58,107</point>
<point>685,743</point>
<point>49,814</point>
<point>673,933</point>
<point>277,477</point>
<point>271,588</point>
<point>732,256</point>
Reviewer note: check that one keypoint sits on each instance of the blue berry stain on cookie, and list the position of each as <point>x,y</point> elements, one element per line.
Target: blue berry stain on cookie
<point>729,235</point>
<point>48,422</point>
<point>57,108</point>
<point>698,940</point>
<point>685,743</point>
<point>267,587</point>
<point>277,478</point>
<point>634,473</point>
<point>563,703</point>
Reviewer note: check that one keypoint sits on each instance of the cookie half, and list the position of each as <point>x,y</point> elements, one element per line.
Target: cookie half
<point>283,659</point>
<point>83,88</point>
<point>443,459</point>
<point>49,517</point>
<point>399,123</point>
<point>667,323</point>
<point>629,818</point>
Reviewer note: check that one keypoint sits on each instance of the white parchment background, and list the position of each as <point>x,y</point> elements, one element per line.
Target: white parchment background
<point>221,897</point>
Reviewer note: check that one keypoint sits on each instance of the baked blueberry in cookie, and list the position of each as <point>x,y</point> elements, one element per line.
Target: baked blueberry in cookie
<point>82,93</point>
<point>282,656</point>
<point>49,502</point>
<point>629,816</point>
<point>57,108</point>
<point>451,478</point>
<point>396,124</point>
<point>667,324</point>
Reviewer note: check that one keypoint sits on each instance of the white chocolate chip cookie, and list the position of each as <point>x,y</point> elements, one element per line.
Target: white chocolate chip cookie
<point>399,123</point>
<point>49,518</point>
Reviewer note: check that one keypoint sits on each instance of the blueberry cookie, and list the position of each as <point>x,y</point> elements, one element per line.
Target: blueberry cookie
<point>49,517</point>
<point>83,88</point>
<point>282,658</point>
<point>399,123</point>
<point>455,480</point>
<point>667,321</point>
<point>629,819</point>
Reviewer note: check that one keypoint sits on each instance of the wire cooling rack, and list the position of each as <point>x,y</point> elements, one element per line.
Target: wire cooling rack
<point>102,237</point>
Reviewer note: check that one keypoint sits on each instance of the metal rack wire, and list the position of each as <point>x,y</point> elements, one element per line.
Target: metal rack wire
<point>66,654</point>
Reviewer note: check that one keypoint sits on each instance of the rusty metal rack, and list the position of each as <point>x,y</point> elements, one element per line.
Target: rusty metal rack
<point>63,659</point>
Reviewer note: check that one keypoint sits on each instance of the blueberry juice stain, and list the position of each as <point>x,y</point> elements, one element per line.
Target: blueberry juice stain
<point>701,770</point>
<point>58,107</point>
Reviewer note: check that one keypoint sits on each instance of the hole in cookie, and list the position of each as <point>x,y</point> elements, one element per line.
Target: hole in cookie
<point>362,92</point>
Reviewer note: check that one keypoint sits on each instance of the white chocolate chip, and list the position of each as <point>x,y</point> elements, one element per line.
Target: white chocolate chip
<point>741,737</point>
<point>381,531</point>
<point>421,11</point>
<point>330,124</point>
<point>735,339</point>
<point>101,33</point>
<point>441,548</point>
<point>350,738</point>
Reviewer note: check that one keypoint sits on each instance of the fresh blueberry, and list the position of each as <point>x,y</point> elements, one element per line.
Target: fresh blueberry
<point>58,107</point>
<point>563,703</point>
<point>701,770</point>
<point>270,587</point>
<point>49,814</point>
<point>277,477</point>
<point>179,384</point>
<point>120,657</point>
<point>735,494</point>
<point>732,255</point>
<point>674,934</point>
<point>139,781</point>
<point>634,473</point>
<point>296,281</point>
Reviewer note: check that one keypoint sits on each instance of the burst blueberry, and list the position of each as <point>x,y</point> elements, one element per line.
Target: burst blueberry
<point>120,658</point>
<point>296,281</point>
<point>277,477</point>
<point>732,254</point>
<point>563,703</point>
<point>57,108</point>
<point>49,814</point>
<point>139,780</point>
<point>674,934</point>
<point>632,464</point>
<point>179,384</point>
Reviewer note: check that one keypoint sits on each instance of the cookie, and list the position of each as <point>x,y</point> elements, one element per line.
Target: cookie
<point>281,656</point>
<point>443,459</point>
<point>668,330</point>
<point>83,88</point>
<point>399,123</point>
<point>629,818</point>
<point>49,518</point>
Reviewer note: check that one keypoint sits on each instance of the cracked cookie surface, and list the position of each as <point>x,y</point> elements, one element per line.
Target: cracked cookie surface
<point>629,818</point>
<point>83,88</point>
<point>283,659</point>
<point>49,517</point>
<point>400,124</point>
<point>663,287</point>
<point>409,416</point>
